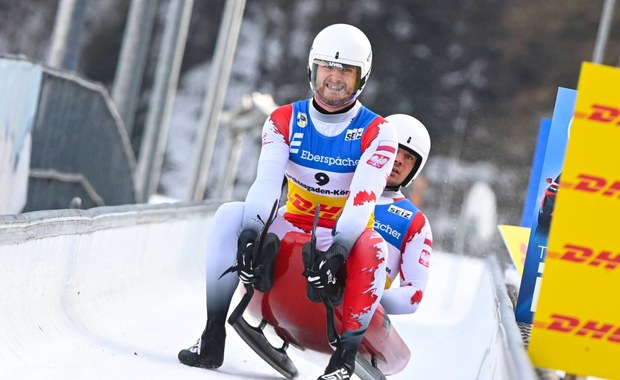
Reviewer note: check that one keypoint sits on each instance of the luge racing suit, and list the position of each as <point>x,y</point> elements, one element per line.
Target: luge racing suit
<point>410,240</point>
<point>340,161</point>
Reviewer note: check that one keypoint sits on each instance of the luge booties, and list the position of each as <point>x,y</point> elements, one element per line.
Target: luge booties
<point>341,364</point>
<point>208,352</point>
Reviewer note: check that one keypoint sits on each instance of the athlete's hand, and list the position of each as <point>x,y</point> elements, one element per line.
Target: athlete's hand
<point>245,255</point>
<point>326,266</point>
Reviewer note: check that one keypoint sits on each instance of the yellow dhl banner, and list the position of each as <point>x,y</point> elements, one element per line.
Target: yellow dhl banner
<point>576,326</point>
<point>515,239</point>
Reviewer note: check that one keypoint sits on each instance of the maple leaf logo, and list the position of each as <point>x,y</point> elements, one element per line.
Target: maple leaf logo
<point>364,197</point>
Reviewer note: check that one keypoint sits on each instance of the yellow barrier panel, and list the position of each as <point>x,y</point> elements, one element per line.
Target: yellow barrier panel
<point>577,322</point>
<point>515,239</point>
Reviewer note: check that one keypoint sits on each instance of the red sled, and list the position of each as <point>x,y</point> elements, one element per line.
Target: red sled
<point>288,310</point>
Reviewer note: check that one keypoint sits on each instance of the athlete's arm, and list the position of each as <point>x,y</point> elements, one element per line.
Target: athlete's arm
<point>379,144</point>
<point>274,155</point>
<point>414,269</point>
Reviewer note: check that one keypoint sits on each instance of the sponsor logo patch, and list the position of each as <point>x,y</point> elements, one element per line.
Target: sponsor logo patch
<point>353,134</point>
<point>378,226</point>
<point>331,161</point>
<point>378,160</point>
<point>400,211</point>
<point>302,119</point>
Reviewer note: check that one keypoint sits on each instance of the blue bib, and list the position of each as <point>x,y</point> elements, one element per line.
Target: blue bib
<point>393,220</point>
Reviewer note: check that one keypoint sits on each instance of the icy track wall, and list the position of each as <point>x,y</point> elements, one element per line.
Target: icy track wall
<point>65,273</point>
<point>60,266</point>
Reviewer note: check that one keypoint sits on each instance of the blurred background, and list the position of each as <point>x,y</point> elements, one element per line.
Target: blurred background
<point>479,74</point>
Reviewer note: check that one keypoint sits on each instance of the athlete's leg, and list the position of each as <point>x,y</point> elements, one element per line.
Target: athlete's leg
<point>221,251</point>
<point>365,280</point>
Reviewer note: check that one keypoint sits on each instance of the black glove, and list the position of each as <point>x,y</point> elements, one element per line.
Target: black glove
<point>245,255</point>
<point>325,267</point>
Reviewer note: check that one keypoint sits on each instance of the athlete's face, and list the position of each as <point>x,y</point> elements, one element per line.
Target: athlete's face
<point>335,84</point>
<point>403,165</point>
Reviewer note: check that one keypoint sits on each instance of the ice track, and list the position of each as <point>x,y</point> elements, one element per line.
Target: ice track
<point>116,292</point>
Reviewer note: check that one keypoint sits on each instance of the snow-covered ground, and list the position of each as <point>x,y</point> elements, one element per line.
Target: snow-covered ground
<point>114,296</point>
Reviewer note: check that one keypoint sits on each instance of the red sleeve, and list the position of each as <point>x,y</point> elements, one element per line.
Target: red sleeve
<point>371,133</point>
<point>281,120</point>
<point>415,228</point>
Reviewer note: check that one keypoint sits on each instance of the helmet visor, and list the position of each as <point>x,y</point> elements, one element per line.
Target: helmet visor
<point>334,83</point>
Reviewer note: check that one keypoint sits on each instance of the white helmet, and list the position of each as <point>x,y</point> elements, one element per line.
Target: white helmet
<point>412,136</point>
<point>342,44</point>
